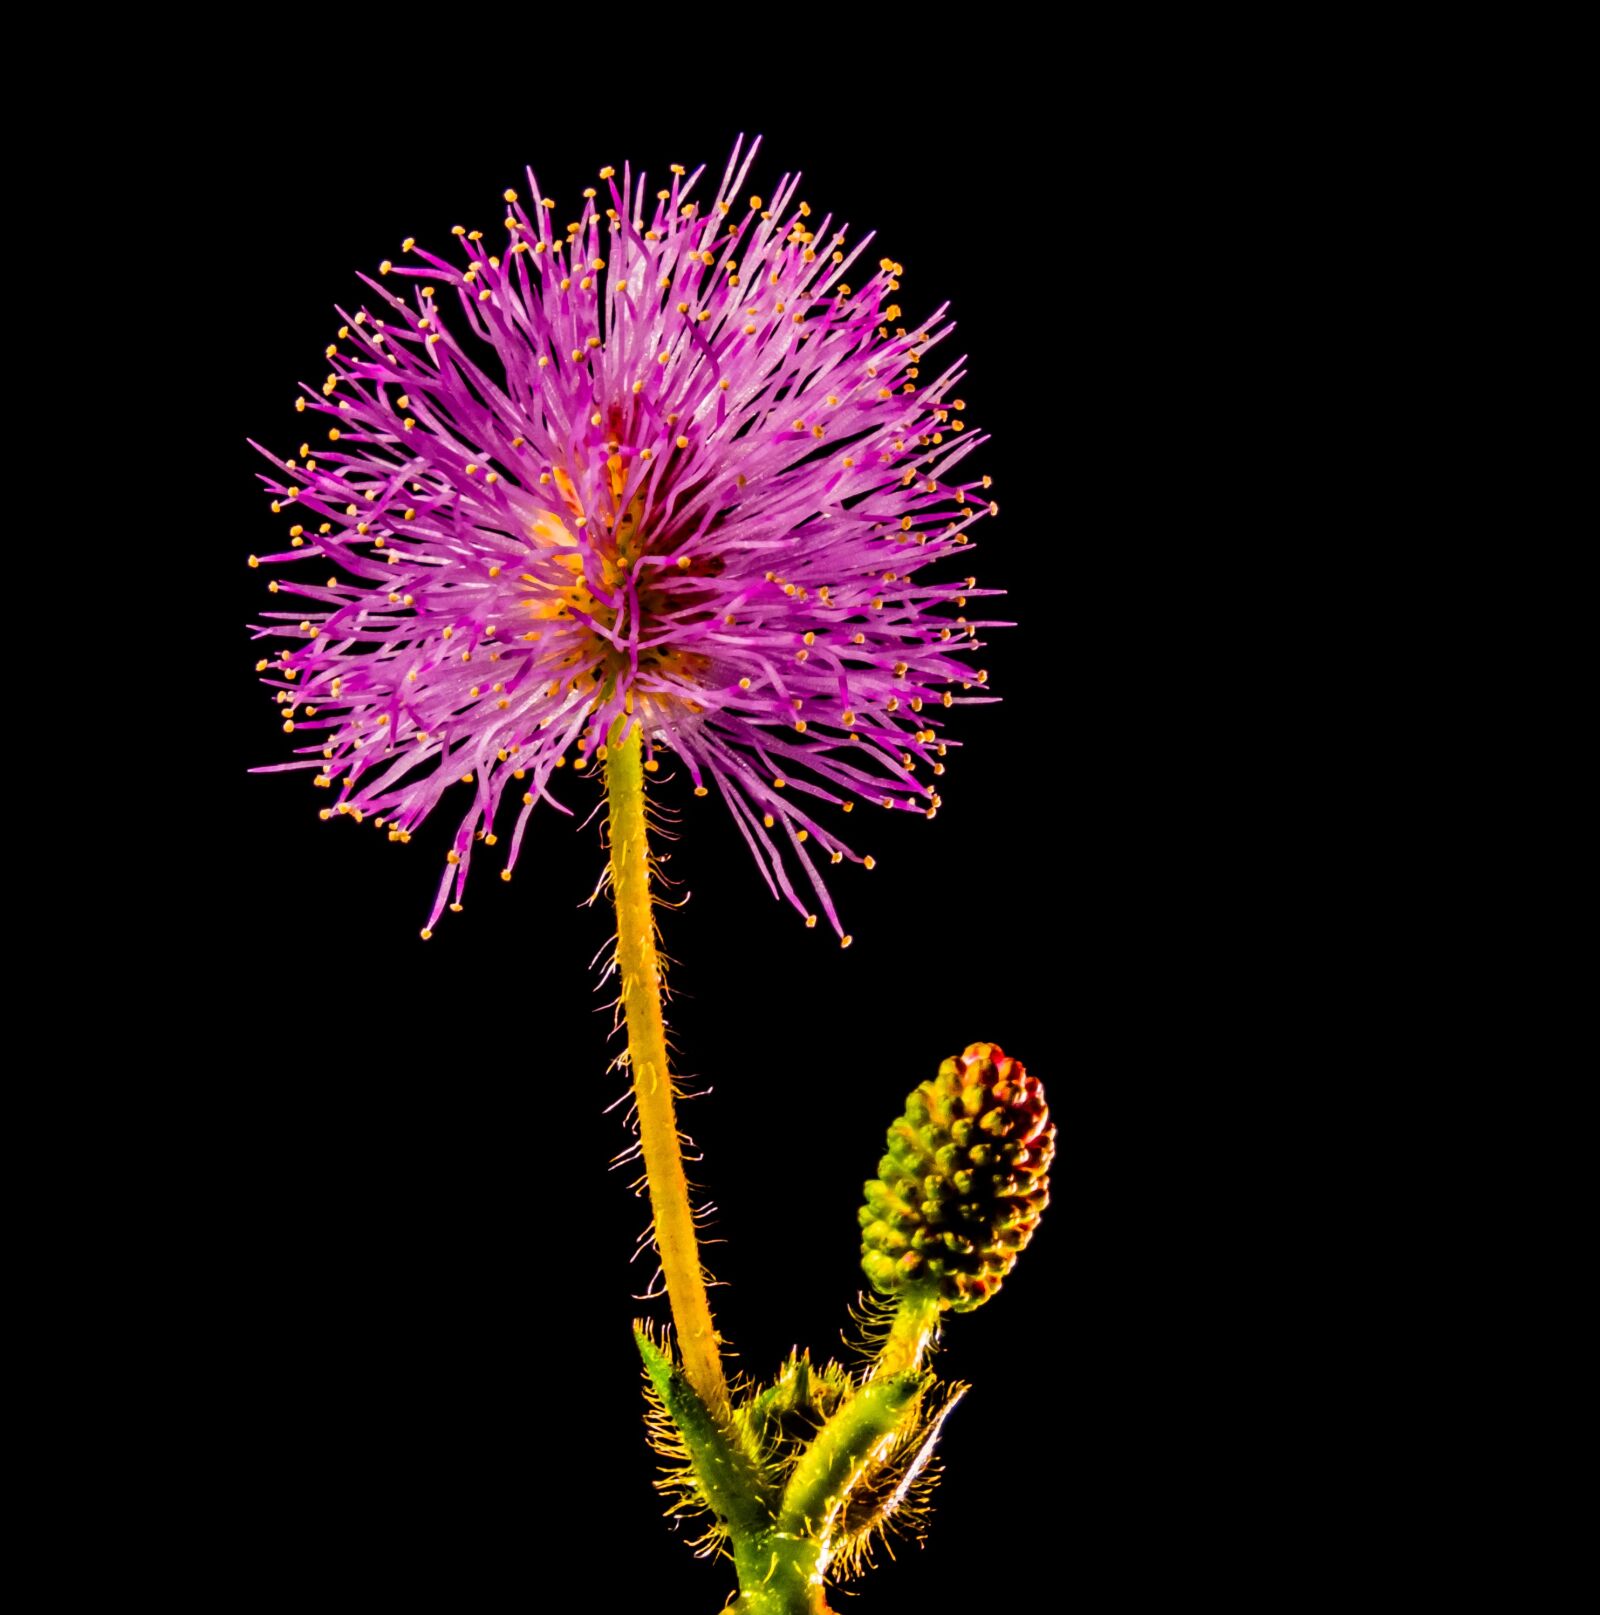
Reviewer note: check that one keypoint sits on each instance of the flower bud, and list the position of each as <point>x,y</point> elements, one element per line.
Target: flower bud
<point>962,1186</point>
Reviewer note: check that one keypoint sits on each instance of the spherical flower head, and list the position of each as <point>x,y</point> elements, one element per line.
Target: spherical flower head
<point>668,465</point>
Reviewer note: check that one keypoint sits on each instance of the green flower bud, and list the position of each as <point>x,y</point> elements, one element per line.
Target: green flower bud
<point>963,1183</point>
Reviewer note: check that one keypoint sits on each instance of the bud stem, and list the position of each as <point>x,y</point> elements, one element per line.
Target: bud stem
<point>640,968</point>
<point>915,1320</point>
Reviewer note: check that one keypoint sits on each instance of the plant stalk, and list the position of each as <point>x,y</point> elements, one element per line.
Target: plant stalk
<point>915,1321</point>
<point>640,969</point>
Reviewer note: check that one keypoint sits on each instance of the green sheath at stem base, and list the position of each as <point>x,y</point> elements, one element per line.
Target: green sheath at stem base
<point>781,1576</point>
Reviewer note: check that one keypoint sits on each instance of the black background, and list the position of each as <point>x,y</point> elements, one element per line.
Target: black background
<point>345,1303</point>
<point>388,1214</point>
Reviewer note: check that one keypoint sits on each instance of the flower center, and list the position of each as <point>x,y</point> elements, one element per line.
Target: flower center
<point>631,607</point>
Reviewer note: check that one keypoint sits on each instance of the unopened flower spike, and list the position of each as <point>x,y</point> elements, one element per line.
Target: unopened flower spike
<point>959,1192</point>
<point>963,1184</point>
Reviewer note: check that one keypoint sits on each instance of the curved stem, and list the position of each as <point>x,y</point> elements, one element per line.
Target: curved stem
<point>640,968</point>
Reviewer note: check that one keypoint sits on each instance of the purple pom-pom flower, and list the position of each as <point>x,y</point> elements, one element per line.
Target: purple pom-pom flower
<point>674,462</point>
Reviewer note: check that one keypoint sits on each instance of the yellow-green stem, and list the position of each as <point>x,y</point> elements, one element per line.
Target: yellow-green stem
<point>640,968</point>
<point>915,1319</point>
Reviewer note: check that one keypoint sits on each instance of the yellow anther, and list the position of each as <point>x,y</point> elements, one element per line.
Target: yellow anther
<point>768,820</point>
<point>845,941</point>
<point>385,267</point>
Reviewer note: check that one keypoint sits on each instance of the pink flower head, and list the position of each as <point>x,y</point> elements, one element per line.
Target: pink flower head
<point>673,461</point>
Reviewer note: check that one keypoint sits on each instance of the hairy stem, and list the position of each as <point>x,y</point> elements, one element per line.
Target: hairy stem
<point>914,1323</point>
<point>640,968</point>
<point>781,1574</point>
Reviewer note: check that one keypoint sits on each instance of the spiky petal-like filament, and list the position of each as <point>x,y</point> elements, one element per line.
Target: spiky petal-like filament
<point>683,461</point>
